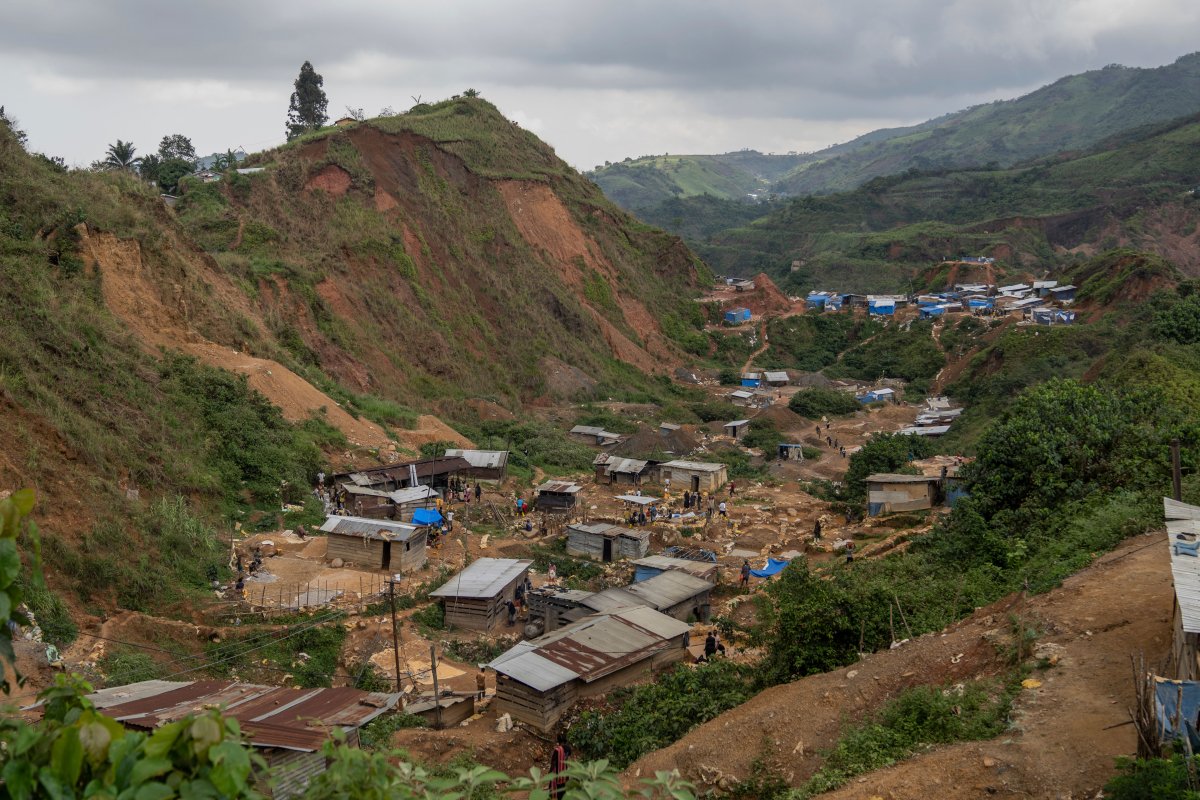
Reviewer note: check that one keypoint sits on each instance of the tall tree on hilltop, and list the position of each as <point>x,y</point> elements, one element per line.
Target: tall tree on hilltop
<point>307,111</point>
<point>176,146</point>
<point>10,122</point>
<point>121,156</point>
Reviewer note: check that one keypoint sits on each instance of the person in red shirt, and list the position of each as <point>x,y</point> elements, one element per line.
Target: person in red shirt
<point>558,766</point>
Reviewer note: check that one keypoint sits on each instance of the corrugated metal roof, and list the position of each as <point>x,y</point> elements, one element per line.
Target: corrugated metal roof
<point>295,719</point>
<point>670,426</point>
<point>639,499</point>
<point>589,649</point>
<point>115,695</point>
<point>659,625</point>
<point>559,487</point>
<point>924,430</point>
<point>626,465</point>
<point>737,423</point>
<point>412,494</point>
<point>889,477</point>
<point>609,530</point>
<point>741,395</point>
<point>612,600</point>
<point>483,578</point>
<point>1183,530</point>
<point>777,376</point>
<point>697,568</point>
<point>669,589</point>
<point>694,466</point>
<point>382,529</point>
<point>482,459</point>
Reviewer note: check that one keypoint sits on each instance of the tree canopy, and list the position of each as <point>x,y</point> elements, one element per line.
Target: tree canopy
<point>121,156</point>
<point>308,109</point>
<point>176,146</point>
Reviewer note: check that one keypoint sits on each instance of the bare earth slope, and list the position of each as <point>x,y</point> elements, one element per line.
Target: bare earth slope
<point>1066,733</point>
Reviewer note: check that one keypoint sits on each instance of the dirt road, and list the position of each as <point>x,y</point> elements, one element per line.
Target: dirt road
<point>1065,734</point>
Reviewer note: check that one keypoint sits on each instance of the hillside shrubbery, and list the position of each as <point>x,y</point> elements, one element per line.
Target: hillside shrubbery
<point>907,352</point>
<point>816,402</point>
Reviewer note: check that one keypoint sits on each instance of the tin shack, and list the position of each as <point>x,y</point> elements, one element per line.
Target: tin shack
<point>376,543</point>
<point>538,681</point>
<point>604,541</point>
<point>476,598</point>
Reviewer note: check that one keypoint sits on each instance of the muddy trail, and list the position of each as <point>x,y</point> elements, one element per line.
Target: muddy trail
<point>1065,734</point>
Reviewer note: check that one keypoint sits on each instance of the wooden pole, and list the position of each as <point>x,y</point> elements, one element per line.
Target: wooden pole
<point>395,631</point>
<point>1176,471</point>
<point>437,704</point>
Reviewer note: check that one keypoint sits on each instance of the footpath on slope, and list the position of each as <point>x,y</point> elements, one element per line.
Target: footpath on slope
<point>1066,733</point>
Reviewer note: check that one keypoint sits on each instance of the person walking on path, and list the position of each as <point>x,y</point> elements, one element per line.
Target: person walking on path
<point>745,575</point>
<point>732,488</point>
<point>722,509</point>
<point>512,612</point>
<point>480,684</point>
<point>478,492</point>
<point>558,766</point>
<point>817,529</point>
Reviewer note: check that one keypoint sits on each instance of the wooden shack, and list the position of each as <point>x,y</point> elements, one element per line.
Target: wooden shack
<point>476,598</point>
<point>675,593</point>
<point>376,543</point>
<point>486,465</point>
<point>1183,541</point>
<point>612,469</point>
<point>557,497</point>
<point>889,493</point>
<point>737,429</point>
<point>649,566</point>
<point>436,472</point>
<point>288,728</point>
<point>538,681</point>
<point>603,541</point>
<point>696,476</point>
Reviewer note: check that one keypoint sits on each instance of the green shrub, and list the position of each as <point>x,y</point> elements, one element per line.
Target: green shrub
<point>652,716</point>
<point>377,734</point>
<point>917,718</point>
<point>816,402</point>
<point>122,665</point>
<point>432,617</point>
<point>1153,779</point>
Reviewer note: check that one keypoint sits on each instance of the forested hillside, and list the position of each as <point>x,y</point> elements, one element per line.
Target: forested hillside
<point>1132,190</point>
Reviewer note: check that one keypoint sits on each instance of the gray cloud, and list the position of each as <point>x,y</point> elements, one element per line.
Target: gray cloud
<point>600,80</point>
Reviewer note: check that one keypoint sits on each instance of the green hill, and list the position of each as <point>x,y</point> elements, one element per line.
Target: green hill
<point>223,349</point>
<point>1072,113</point>
<point>646,182</point>
<point>1133,189</point>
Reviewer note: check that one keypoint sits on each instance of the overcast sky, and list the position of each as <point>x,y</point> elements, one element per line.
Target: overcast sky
<point>598,79</point>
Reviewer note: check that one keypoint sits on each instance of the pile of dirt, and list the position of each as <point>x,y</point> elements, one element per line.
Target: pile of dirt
<point>1120,605</point>
<point>656,444</point>
<point>765,298</point>
<point>783,418</point>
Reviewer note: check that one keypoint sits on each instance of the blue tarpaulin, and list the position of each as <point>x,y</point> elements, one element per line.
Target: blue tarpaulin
<point>1177,704</point>
<point>774,567</point>
<point>426,516</point>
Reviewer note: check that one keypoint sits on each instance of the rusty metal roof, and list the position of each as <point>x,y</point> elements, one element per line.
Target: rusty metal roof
<point>608,530</point>
<point>558,487</point>
<point>482,459</point>
<point>294,719</point>
<point>591,648</point>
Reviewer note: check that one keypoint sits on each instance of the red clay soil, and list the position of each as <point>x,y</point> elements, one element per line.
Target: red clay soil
<point>1065,735</point>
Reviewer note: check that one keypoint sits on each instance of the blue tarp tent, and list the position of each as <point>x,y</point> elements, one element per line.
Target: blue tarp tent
<point>774,567</point>
<point>426,516</point>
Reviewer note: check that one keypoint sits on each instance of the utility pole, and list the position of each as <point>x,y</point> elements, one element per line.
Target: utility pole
<point>395,629</point>
<point>437,697</point>
<point>1176,472</point>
